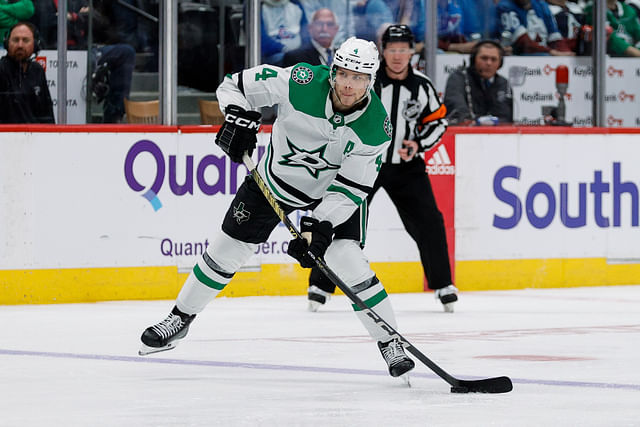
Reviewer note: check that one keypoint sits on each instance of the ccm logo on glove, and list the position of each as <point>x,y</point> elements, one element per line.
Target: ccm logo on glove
<point>238,132</point>
<point>242,121</point>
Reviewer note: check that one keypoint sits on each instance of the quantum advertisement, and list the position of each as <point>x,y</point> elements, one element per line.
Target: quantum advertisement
<point>133,199</point>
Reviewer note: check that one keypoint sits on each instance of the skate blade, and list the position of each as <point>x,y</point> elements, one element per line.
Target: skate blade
<point>448,308</point>
<point>406,379</point>
<point>145,349</point>
<point>313,306</point>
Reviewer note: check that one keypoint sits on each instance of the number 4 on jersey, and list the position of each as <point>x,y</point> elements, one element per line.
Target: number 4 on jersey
<point>267,73</point>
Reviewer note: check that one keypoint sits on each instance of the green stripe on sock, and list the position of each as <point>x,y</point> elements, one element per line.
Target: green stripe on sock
<point>207,280</point>
<point>373,301</point>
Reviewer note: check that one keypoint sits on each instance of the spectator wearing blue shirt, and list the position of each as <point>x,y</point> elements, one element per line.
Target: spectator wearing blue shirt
<point>531,27</point>
<point>451,37</point>
<point>479,19</point>
<point>369,17</point>
<point>410,13</point>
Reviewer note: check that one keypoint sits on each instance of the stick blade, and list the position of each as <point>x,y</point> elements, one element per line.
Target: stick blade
<point>490,385</point>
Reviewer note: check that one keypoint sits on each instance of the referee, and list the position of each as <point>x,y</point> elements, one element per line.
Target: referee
<point>418,119</point>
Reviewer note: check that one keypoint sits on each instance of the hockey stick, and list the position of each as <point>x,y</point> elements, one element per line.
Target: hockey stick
<point>489,385</point>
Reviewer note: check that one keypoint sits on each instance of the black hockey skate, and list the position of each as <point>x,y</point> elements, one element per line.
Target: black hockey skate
<point>317,297</point>
<point>397,360</point>
<point>447,296</point>
<point>166,334</point>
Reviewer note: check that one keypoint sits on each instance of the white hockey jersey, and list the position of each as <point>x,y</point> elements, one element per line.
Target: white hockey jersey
<point>315,154</point>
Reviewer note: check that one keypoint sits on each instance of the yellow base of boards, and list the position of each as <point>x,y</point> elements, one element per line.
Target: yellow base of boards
<point>148,283</point>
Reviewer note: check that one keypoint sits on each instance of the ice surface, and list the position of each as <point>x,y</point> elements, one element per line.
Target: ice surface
<point>573,355</point>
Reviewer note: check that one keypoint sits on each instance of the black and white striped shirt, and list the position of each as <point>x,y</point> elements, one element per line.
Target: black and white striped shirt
<point>414,108</point>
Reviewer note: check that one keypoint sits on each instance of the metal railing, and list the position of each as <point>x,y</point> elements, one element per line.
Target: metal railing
<point>168,26</point>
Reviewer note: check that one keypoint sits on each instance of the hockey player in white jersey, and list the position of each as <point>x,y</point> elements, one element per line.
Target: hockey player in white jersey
<point>418,119</point>
<point>326,150</point>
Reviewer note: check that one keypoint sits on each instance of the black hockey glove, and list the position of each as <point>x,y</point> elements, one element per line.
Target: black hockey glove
<point>316,238</point>
<point>238,132</point>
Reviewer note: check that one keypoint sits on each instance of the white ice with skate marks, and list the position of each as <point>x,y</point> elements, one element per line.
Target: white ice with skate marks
<point>571,353</point>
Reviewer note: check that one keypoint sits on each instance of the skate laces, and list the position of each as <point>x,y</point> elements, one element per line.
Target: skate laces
<point>169,326</point>
<point>393,352</point>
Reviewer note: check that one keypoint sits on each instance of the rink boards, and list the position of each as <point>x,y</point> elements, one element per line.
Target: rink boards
<point>92,213</point>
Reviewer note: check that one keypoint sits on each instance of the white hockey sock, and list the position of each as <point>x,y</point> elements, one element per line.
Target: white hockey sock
<point>198,291</point>
<point>212,272</point>
<point>376,298</point>
<point>346,259</point>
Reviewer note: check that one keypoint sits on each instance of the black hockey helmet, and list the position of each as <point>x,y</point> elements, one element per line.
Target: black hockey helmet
<point>397,33</point>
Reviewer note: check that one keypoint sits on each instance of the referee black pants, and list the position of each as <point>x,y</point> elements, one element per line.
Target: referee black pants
<point>409,188</point>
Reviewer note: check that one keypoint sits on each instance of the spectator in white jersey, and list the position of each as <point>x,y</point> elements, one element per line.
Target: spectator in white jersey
<point>418,119</point>
<point>325,152</point>
<point>283,28</point>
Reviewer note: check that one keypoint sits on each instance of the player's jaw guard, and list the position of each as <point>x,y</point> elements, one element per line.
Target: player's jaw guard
<point>489,385</point>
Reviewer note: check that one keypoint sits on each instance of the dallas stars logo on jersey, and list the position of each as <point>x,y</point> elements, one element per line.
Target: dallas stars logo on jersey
<point>388,127</point>
<point>302,75</point>
<point>240,214</point>
<point>313,161</point>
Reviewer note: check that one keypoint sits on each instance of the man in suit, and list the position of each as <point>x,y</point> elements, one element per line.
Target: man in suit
<point>323,29</point>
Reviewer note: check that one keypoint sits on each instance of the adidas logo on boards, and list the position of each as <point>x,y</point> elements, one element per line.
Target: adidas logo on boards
<point>440,163</point>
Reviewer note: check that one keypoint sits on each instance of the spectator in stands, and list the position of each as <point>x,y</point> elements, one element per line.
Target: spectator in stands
<point>570,19</point>
<point>24,93</point>
<point>369,17</point>
<point>113,59</point>
<point>44,18</point>
<point>479,19</point>
<point>12,12</point>
<point>410,13</point>
<point>532,28</point>
<point>478,94</point>
<point>450,28</point>
<point>625,38</point>
<point>319,50</point>
<point>360,18</point>
<point>283,27</point>
<point>126,21</point>
<point>634,4</point>
<point>403,10</point>
<point>339,9</point>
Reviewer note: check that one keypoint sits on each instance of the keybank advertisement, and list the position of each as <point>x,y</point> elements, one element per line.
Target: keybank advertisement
<point>533,80</point>
<point>547,196</point>
<point>126,199</point>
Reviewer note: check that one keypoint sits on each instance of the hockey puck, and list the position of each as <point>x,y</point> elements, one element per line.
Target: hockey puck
<point>459,389</point>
